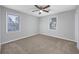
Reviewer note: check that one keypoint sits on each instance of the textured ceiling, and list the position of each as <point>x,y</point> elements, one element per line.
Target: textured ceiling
<point>29,8</point>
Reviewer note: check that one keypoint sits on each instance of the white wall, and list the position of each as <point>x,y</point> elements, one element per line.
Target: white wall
<point>77,26</point>
<point>65,25</point>
<point>29,26</point>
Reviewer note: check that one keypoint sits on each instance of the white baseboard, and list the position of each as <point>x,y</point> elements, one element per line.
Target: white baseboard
<point>18,39</point>
<point>36,34</point>
<point>60,37</point>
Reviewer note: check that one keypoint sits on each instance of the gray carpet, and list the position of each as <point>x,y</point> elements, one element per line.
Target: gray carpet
<point>40,44</point>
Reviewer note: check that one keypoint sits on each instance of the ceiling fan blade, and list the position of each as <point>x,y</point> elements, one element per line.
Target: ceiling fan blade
<point>35,10</point>
<point>46,6</point>
<point>38,7</point>
<point>45,11</point>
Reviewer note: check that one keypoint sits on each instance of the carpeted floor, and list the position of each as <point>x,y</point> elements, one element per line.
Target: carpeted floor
<point>40,44</point>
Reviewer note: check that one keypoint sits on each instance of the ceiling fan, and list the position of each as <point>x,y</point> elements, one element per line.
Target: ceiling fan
<point>42,8</point>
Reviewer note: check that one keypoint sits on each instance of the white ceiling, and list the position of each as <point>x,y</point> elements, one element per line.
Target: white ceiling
<point>29,8</point>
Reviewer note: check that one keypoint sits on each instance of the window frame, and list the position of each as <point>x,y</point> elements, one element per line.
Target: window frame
<point>7,23</point>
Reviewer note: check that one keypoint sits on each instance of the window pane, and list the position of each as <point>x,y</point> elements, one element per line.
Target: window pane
<point>13,23</point>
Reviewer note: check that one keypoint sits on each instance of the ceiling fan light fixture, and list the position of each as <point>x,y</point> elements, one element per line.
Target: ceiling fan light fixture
<point>41,11</point>
<point>42,8</point>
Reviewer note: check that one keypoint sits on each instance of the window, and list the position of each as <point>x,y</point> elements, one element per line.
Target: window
<point>12,23</point>
<point>53,23</point>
